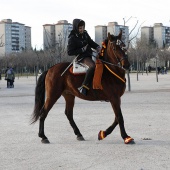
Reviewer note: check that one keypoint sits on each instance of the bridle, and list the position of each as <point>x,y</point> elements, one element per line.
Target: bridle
<point>122,47</point>
<point>125,57</point>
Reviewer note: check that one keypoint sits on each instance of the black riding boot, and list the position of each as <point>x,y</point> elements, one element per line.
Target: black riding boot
<point>83,90</point>
<point>88,78</point>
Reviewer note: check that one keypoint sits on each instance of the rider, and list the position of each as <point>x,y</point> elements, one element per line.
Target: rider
<point>80,43</point>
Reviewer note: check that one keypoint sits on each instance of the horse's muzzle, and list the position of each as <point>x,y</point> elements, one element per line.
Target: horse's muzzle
<point>125,63</point>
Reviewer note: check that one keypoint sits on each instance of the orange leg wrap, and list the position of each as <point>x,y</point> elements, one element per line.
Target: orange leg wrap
<point>128,140</point>
<point>101,135</point>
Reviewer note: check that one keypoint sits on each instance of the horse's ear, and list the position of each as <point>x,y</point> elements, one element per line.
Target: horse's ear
<point>109,36</point>
<point>120,35</point>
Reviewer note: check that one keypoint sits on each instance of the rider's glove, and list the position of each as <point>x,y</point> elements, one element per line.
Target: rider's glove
<point>98,49</point>
<point>84,48</point>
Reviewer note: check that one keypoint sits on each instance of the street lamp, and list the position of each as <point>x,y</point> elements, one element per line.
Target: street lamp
<point>37,66</point>
<point>156,67</point>
<point>137,66</point>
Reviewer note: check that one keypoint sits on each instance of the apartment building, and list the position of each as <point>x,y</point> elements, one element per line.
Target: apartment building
<point>147,33</point>
<point>27,38</point>
<point>112,27</point>
<point>48,36</point>
<point>100,33</point>
<point>56,34</point>
<point>161,35</point>
<point>158,33</point>
<point>15,36</point>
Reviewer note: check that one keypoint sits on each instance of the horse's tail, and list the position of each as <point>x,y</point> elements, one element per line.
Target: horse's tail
<point>39,97</point>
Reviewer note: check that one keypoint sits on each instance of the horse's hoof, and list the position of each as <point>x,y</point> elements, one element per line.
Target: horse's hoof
<point>132,142</point>
<point>45,141</point>
<point>80,138</point>
<point>101,135</point>
<point>129,140</point>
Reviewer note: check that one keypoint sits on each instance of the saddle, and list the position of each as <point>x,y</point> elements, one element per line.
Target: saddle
<point>80,69</point>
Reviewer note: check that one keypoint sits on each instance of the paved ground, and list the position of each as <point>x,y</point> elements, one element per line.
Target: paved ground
<point>146,111</point>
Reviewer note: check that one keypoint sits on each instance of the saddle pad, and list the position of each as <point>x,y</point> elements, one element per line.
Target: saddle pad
<point>98,75</point>
<point>71,71</point>
<point>79,67</point>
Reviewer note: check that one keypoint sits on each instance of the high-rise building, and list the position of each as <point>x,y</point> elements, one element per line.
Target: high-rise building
<point>15,36</point>
<point>147,33</point>
<point>27,38</point>
<point>48,36</point>
<point>112,27</point>
<point>55,35</point>
<point>100,33</point>
<point>158,33</point>
<point>161,35</point>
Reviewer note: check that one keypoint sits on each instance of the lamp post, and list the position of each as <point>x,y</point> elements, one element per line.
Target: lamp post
<point>37,66</point>
<point>156,67</point>
<point>137,66</point>
<point>59,47</point>
<point>146,66</point>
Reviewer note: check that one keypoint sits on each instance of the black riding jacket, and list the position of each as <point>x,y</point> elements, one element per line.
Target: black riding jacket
<point>77,41</point>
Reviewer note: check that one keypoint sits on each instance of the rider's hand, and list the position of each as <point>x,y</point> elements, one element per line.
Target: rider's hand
<point>84,48</point>
<point>98,49</point>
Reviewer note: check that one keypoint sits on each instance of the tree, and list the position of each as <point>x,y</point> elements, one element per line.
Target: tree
<point>56,48</point>
<point>1,42</point>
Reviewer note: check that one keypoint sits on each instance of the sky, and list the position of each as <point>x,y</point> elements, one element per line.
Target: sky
<point>36,13</point>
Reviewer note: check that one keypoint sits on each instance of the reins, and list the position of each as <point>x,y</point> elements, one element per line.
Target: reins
<point>115,74</point>
<point>102,54</point>
<point>116,65</point>
<point>111,70</point>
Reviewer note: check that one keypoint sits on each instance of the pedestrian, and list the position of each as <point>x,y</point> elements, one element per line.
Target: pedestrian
<point>0,75</point>
<point>149,68</point>
<point>165,70</point>
<point>80,44</point>
<point>7,80</point>
<point>10,77</point>
<point>159,69</point>
<point>162,69</point>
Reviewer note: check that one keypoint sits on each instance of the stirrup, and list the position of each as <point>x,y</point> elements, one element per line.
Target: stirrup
<point>83,90</point>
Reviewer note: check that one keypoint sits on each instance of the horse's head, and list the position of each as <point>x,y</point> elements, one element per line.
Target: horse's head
<point>116,51</point>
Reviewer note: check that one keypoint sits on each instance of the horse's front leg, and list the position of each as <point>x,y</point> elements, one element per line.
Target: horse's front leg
<point>103,134</point>
<point>118,120</point>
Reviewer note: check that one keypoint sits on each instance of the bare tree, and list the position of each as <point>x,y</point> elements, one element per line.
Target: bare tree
<point>57,49</point>
<point>164,56</point>
<point>1,42</point>
<point>128,75</point>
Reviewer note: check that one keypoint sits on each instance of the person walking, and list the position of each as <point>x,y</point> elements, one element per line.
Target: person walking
<point>10,77</point>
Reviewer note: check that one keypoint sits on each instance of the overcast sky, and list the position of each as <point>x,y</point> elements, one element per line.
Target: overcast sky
<point>35,13</point>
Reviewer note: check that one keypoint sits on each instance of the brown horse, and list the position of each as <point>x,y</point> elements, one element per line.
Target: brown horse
<point>51,85</point>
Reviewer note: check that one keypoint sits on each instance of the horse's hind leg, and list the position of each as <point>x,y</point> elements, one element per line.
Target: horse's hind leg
<point>45,109</point>
<point>69,113</point>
